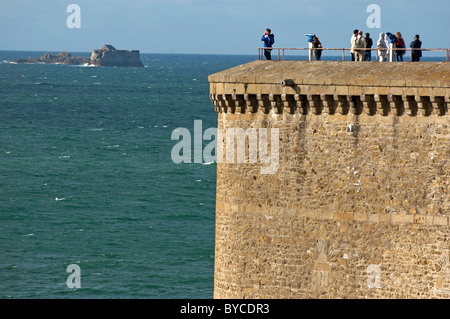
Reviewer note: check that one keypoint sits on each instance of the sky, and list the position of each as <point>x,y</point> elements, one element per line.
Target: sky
<point>212,26</point>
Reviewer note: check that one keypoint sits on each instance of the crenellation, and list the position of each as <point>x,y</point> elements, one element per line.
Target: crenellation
<point>251,102</point>
<point>370,104</point>
<point>315,105</point>
<point>420,105</point>
<point>367,104</point>
<point>275,103</point>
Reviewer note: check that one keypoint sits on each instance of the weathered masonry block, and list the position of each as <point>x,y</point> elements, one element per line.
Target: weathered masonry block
<point>362,183</point>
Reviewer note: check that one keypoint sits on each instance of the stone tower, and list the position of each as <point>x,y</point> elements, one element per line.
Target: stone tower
<point>359,204</point>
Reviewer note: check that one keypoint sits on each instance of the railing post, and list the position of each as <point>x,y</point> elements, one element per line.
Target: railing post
<point>310,51</point>
<point>448,55</point>
<point>283,54</point>
<point>391,52</point>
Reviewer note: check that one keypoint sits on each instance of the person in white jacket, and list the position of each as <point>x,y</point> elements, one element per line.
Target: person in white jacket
<point>353,44</point>
<point>382,47</point>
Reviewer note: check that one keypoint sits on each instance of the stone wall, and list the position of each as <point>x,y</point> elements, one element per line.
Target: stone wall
<point>359,206</point>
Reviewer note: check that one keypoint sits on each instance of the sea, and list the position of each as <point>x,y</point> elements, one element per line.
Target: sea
<point>92,206</point>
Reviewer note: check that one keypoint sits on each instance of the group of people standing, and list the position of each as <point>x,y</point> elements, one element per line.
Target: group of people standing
<point>360,46</point>
<point>398,47</point>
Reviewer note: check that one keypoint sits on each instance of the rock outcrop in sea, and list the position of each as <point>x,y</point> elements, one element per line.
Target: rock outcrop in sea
<point>106,56</point>
<point>110,56</point>
<point>61,58</point>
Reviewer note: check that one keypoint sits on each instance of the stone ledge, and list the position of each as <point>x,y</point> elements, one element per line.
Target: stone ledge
<point>417,75</point>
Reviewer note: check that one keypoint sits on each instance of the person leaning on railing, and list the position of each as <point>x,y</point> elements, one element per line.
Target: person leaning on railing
<point>317,45</point>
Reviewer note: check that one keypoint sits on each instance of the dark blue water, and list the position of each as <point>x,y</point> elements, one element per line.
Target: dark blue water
<point>86,178</point>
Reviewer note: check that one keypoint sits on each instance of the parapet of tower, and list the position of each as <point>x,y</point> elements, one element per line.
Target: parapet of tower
<point>360,204</point>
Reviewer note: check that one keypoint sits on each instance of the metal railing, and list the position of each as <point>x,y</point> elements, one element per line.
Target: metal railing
<point>281,52</point>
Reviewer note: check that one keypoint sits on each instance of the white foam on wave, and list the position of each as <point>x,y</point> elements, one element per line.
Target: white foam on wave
<point>84,65</point>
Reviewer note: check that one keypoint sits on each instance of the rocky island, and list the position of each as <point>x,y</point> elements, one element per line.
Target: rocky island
<point>60,58</point>
<point>106,56</point>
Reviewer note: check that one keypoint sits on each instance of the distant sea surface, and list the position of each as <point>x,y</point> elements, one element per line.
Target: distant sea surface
<point>86,178</point>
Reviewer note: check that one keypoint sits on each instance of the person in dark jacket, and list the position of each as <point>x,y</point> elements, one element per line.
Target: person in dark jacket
<point>317,45</point>
<point>416,44</point>
<point>369,43</point>
<point>269,39</point>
